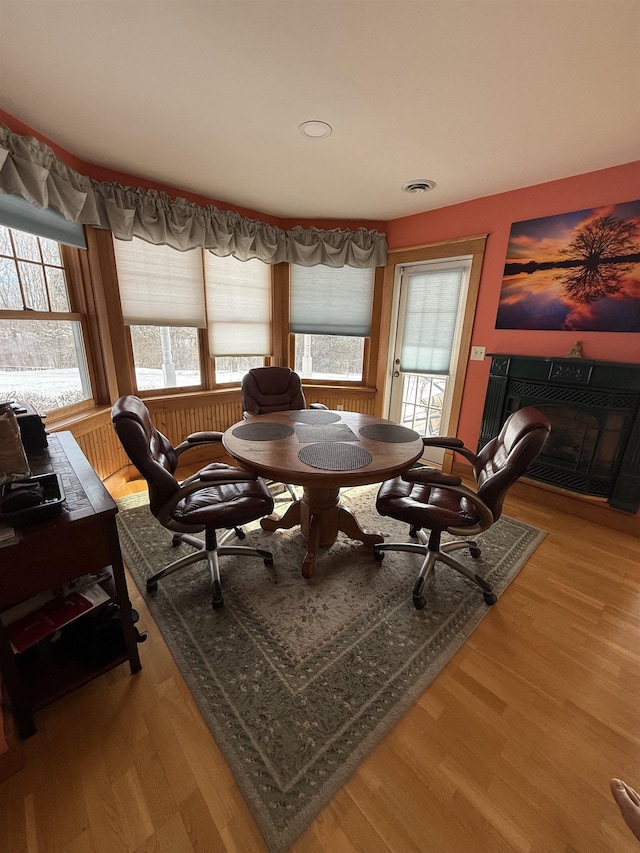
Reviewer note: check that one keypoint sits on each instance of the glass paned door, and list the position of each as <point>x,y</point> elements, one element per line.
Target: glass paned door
<point>429,299</point>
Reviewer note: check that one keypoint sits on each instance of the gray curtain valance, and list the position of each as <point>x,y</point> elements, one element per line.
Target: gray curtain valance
<point>31,170</point>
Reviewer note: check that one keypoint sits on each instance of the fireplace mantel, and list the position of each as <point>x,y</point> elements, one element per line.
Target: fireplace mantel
<point>594,409</point>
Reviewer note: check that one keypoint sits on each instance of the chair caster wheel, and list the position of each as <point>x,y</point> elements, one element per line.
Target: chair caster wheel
<point>176,540</point>
<point>475,552</point>
<point>152,586</point>
<point>217,601</point>
<point>240,533</point>
<point>490,597</point>
<point>378,555</point>
<point>413,533</point>
<point>268,562</point>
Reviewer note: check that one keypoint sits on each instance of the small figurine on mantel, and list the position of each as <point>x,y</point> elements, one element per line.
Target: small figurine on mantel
<point>576,351</point>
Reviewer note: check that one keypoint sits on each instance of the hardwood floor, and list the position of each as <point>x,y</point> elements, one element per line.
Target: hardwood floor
<point>510,749</point>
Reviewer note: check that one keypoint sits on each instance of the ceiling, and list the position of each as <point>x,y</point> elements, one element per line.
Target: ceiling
<point>480,96</point>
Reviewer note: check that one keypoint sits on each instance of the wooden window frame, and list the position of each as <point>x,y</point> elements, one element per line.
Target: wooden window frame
<point>82,310</point>
<point>117,351</point>
<point>101,249</point>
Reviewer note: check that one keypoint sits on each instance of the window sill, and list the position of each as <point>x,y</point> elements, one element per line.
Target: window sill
<point>87,417</point>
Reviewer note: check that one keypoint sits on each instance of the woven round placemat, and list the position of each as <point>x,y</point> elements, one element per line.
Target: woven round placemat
<point>334,456</point>
<point>314,416</point>
<point>262,432</point>
<point>391,433</point>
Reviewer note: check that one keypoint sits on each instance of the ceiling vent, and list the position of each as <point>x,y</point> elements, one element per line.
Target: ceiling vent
<point>420,185</point>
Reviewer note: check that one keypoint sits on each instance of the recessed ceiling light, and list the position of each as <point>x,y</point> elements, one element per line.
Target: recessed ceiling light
<point>420,185</point>
<point>315,129</point>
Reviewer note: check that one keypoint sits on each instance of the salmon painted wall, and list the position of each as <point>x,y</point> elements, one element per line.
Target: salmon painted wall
<point>494,215</point>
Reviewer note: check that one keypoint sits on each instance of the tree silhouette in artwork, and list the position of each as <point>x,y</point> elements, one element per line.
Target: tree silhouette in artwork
<point>601,252</point>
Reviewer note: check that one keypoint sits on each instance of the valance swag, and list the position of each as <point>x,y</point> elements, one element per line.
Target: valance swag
<point>30,169</point>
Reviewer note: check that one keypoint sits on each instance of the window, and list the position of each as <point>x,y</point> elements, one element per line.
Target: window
<point>332,357</point>
<point>165,356</point>
<point>162,298</point>
<point>330,317</point>
<point>42,351</point>
<point>238,314</point>
<point>179,305</point>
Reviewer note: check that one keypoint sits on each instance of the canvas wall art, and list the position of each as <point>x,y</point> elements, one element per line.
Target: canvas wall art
<point>575,271</point>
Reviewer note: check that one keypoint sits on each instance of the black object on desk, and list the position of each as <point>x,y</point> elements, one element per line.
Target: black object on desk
<point>32,431</point>
<point>31,501</point>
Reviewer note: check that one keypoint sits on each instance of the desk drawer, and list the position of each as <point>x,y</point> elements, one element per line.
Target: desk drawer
<point>60,553</point>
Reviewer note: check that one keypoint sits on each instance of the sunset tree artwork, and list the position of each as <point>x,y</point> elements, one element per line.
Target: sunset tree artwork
<point>575,271</point>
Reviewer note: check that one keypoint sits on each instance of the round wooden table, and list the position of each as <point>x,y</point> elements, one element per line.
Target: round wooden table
<point>322,451</point>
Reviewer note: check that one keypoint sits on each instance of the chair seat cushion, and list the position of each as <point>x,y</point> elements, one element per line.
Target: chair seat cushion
<point>424,506</point>
<point>225,506</point>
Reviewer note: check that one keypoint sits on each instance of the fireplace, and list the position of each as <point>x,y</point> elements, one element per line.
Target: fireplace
<point>594,410</point>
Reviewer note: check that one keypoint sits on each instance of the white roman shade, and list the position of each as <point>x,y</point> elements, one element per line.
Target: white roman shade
<point>160,286</point>
<point>430,314</point>
<point>329,301</point>
<point>238,306</point>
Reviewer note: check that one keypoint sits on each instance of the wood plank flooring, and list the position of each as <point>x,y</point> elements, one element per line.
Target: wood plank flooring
<point>510,749</point>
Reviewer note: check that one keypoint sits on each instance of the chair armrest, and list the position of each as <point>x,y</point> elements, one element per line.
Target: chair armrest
<point>428,476</point>
<point>318,406</point>
<point>197,439</point>
<point>442,441</point>
<point>451,483</point>
<point>220,477</point>
<point>486,516</point>
<point>450,442</point>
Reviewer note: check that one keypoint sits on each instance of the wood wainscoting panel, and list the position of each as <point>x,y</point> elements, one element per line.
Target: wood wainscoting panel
<point>360,401</point>
<point>177,418</point>
<point>102,448</point>
<point>97,439</point>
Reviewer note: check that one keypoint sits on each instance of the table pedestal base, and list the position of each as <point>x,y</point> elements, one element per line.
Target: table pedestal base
<point>321,517</point>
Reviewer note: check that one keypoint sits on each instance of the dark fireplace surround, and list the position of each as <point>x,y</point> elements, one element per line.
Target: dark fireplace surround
<point>594,410</point>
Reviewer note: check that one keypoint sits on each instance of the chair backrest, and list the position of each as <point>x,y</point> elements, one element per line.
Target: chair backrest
<point>271,389</point>
<point>507,456</point>
<point>149,450</point>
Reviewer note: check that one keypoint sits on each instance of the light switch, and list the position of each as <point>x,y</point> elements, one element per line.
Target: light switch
<point>478,353</point>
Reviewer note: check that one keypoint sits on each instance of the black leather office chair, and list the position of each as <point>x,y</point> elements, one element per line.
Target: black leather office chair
<point>217,497</point>
<point>428,498</point>
<point>273,389</point>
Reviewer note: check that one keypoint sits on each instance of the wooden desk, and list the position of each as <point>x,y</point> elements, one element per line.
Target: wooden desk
<point>319,513</point>
<point>82,539</point>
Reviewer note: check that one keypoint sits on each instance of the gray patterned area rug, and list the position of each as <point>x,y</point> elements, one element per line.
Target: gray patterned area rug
<point>298,680</point>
